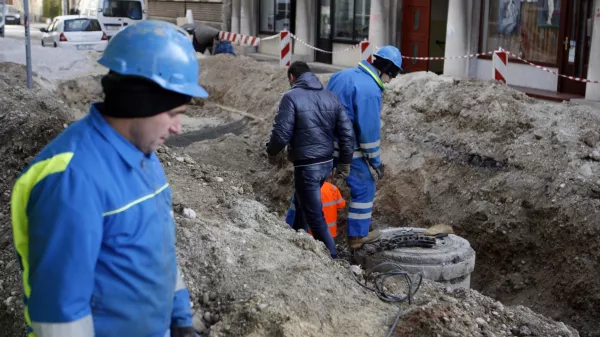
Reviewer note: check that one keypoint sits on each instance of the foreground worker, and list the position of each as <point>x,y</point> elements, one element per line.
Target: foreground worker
<point>360,91</point>
<point>308,120</point>
<point>332,200</point>
<point>92,213</point>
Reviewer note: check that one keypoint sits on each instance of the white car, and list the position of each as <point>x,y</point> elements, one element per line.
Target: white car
<point>74,31</point>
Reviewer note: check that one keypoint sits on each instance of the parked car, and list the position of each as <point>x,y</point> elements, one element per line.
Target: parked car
<point>13,15</point>
<point>74,31</point>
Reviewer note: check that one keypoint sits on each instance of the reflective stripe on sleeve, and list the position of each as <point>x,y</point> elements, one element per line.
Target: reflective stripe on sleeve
<point>372,154</point>
<point>331,203</point>
<point>370,145</point>
<point>331,224</point>
<point>83,327</point>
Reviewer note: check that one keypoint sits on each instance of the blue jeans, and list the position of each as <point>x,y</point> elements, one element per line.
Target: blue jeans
<point>307,199</point>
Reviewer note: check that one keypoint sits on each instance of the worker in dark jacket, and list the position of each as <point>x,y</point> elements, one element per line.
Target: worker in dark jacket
<point>309,119</point>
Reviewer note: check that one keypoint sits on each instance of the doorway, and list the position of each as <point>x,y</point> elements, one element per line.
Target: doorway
<point>415,33</point>
<point>324,37</point>
<point>575,43</point>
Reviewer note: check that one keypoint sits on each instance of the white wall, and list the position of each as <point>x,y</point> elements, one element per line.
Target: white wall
<point>348,58</point>
<point>269,47</point>
<point>593,89</point>
<point>521,75</point>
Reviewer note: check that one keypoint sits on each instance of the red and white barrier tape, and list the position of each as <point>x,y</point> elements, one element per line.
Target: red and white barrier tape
<point>245,40</point>
<point>550,71</point>
<point>324,51</point>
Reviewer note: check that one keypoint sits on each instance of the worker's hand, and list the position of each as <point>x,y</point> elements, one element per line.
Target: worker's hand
<point>342,171</point>
<point>183,332</point>
<point>379,170</point>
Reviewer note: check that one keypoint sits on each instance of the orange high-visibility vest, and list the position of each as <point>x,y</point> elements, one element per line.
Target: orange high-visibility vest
<point>332,201</point>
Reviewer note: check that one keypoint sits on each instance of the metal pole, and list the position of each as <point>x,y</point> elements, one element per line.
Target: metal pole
<point>27,43</point>
<point>3,21</point>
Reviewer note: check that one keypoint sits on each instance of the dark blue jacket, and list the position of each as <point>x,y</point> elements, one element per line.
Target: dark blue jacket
<point>309,120</point>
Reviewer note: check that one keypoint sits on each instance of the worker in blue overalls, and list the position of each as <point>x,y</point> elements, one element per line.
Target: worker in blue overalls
<point>360,91</point>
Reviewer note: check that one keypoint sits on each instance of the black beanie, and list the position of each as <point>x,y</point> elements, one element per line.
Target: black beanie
<point>127,96</point>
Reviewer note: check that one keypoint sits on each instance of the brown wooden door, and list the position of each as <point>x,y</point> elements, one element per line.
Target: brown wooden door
<point>415,33</point>
<point>574,49</point>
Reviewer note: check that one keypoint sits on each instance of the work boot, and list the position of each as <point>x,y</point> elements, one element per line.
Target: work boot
<point>357,242</point>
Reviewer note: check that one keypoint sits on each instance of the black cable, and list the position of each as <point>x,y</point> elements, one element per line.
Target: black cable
<point>378,285</point>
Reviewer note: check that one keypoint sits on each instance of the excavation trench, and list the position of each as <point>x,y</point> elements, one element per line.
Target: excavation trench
<point>508,173</point>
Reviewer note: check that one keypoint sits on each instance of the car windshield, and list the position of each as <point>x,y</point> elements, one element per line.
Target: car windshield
<point>82,25</point>
<point>12,10</point>
<point>123,8</point>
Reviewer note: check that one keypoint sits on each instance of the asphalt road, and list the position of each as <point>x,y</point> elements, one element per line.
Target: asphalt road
<point>18,32</point>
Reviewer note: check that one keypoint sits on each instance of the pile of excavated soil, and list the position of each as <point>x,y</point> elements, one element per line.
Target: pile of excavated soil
<point>29,119</point>
<point>250,275</point>
<point>516,176</point>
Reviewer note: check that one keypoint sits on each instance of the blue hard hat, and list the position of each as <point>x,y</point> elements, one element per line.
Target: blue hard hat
<point>391,54</point>
<point>156,50</point>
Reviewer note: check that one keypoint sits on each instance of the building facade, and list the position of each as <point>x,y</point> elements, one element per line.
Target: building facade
<point>557,34</point>
<point>211,12</point>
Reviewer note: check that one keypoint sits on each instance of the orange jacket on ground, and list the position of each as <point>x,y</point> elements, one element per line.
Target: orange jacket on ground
<point>332,201</point>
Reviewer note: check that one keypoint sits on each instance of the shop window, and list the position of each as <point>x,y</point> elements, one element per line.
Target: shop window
<point>275,15</point>
<point>351,20</point>
<point>526,28</point>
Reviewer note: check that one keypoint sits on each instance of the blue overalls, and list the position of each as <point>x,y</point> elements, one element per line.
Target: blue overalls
<point>360,91</point>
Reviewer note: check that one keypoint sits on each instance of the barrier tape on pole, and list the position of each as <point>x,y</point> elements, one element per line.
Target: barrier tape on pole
<point>285,46</point>
<point>366,51</point>
<point>550,71</point>
<point>500,65</point>
<point>324,51</point>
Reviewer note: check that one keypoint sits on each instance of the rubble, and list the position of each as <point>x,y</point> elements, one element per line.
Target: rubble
<point>249,274</point>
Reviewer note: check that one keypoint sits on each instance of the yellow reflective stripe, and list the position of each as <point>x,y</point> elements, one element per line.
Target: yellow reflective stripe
<point>18,210</point>
<point>137,201</point>
<point>375,76</point>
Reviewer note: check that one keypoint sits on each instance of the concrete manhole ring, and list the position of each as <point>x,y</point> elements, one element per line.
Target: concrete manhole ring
<point>451,261</point>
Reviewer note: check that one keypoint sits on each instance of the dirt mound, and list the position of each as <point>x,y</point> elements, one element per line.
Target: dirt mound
<point>250,275</point>
<point>29,119</point>
<point>79,93</point>
<point>514,176</point>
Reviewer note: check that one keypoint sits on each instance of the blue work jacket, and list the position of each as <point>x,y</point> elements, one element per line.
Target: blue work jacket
<point>360,91</point>
<point>94,232</point>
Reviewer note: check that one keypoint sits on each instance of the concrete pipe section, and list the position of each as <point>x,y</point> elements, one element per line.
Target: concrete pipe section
<point>450,261</point>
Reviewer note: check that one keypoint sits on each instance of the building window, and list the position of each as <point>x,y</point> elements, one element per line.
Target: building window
<point>276,15</point>
<point>351,20</point>
<point>529,29</point>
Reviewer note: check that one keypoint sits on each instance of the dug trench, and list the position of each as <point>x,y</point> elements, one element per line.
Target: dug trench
<point>516,176</point>
<point>511,174</point>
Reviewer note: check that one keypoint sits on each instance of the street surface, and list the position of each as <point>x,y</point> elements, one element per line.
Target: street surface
<point>18,32</point>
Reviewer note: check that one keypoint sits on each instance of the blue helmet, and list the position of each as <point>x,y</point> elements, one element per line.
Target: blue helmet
<point>391,54</point>
<point>156,50</point>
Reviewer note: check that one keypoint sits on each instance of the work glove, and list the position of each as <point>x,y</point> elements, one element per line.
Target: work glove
<point>273,160</point>
<point>187,331</point>
<point>379,171</point>
<point>342,171</point>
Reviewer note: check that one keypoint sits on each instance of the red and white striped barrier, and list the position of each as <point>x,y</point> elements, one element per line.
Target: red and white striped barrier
<point>500,65</point>
<point>244,40</point>
<point>366,51</point>
<point>285,48</point>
